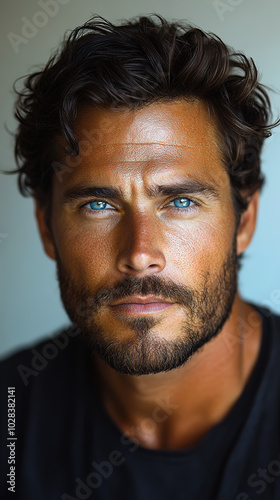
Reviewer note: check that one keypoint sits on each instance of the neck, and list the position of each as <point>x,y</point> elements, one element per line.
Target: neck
<point>176,409</point>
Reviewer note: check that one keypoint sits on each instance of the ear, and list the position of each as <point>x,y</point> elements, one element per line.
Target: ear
<point>45,231</point>
<point>247,224</point>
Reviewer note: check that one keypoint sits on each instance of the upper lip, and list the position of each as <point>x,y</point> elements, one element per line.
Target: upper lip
<point>137,299</point>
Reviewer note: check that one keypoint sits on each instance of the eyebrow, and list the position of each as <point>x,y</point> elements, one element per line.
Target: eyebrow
<point>191,186</point>
<point>79,192</point>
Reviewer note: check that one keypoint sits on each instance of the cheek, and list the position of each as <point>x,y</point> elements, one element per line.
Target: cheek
<point>86,253</point>
<point>199,248</point>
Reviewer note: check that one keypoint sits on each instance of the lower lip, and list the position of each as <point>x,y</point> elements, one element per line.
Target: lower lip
<point>150,307</point>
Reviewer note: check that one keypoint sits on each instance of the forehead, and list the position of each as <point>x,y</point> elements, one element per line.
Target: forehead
<point>174,123</point>
<point>147,141</point>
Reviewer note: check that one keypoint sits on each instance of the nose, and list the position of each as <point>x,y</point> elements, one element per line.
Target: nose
<point>140,251</point>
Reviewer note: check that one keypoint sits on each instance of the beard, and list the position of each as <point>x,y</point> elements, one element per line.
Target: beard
<point>146,350</point>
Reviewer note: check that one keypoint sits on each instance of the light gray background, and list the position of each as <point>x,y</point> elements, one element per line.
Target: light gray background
<point>30,306</point>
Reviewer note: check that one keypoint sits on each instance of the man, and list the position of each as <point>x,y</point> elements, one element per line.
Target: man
<point>141,146</point>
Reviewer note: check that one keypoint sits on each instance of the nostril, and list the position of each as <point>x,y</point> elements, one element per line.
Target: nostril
<point>141,269</point>
<point>135,259</point>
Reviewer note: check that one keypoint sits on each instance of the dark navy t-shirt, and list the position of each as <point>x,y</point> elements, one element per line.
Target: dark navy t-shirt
<point>68,448</point>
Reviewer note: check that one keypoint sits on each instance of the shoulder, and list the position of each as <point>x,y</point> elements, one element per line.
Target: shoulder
<point>270,320</point>
<point>47,358</point>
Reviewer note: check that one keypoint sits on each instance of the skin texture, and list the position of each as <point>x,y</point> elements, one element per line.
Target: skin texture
<point>144,236</point>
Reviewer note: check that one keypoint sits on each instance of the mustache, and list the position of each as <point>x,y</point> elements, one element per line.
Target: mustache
<point>148,285</point>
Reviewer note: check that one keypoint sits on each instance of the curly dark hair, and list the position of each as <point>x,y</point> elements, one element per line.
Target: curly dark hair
<point>134,64</point>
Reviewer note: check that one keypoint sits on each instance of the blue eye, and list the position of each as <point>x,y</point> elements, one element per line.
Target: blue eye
<point>181,202</point>
<point>98,205</point>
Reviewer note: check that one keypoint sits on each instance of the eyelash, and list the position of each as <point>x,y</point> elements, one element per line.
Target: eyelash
<point>194,205</point>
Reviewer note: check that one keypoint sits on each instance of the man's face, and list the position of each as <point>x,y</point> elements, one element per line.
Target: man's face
<point>144,234</point>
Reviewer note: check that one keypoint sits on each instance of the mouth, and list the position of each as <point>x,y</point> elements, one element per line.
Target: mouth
<point>141,305</point>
